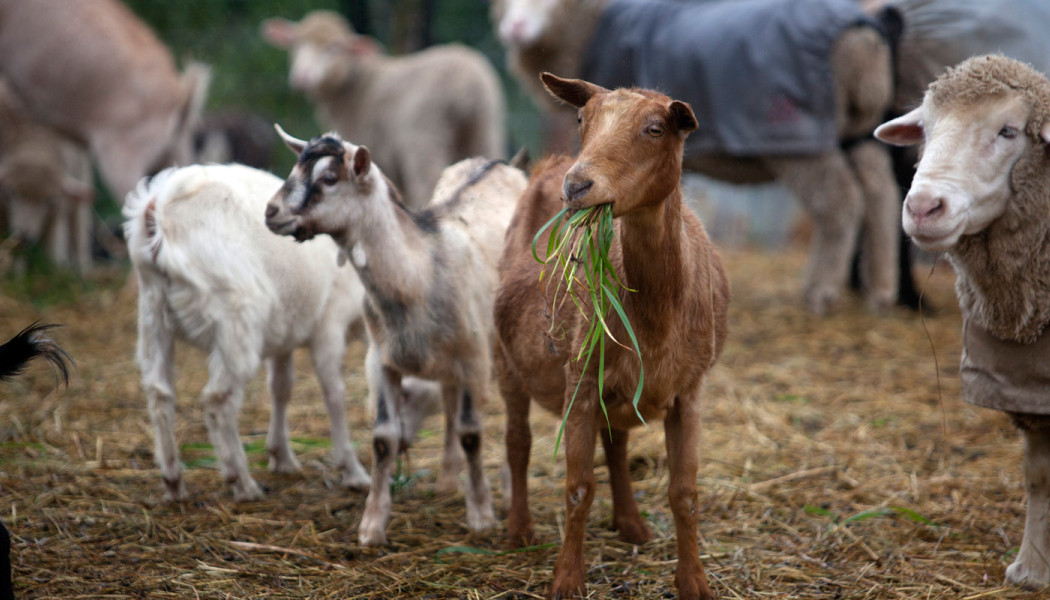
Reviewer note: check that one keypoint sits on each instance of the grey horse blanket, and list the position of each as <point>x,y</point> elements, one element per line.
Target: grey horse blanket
<point>1003,374</point>
<point>756,72</point>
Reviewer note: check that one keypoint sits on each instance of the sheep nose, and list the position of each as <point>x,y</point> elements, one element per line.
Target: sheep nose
<point>924,206</point>
<point>271,211</point>
<point>576,189</point>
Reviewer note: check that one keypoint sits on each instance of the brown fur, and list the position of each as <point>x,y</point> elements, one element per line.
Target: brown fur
<point>678,314</point>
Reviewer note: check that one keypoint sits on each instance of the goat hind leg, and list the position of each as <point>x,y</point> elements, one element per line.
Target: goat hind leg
<point>156,355</point>
<point>1031,568</point>
<point>222,399</point>
<point>518,442</point>
<point>280,372</point>
<point>682,438</point>
<point>626,518</point>
<point>452,457</point>
<point>467,421</point>
<point>882,224</point>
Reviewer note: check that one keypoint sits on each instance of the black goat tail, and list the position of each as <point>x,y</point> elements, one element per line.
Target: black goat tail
<point>30,343</point>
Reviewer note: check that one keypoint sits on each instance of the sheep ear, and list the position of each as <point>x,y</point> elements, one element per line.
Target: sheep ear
<point>683,116</point>
<point>361,45</point>
<point>575,92</point>
<point>294,144</point>
<point>902,131</point>
<point>362,161</point>
<point>279,32</point>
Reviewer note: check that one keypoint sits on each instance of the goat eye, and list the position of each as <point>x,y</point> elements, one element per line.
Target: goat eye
<point>1008,132</point>
<point>579,118</point>
<point>329,178</point>
<point>655,130</point>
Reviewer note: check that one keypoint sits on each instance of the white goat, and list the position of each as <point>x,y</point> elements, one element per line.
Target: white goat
<point>419,113</point>
<point>95,72</point>
<point>981,194</point>
<point>429,279</point>
<point>208,270</point>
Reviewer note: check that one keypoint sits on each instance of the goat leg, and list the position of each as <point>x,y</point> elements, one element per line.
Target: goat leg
<point>682,438</point>
<point>626,518</point>
<point>581,428</point>
<point>385,383</point>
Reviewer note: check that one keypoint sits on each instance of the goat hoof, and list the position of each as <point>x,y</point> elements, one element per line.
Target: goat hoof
<point>567,587</point>
<point>368,535</point>
<point>481,520</point>
<point>175,490</point>
<point>248,493</point>
<point>821,302</point>
<point>358,481</point>
<point>447,483</point>
<point>284,465</point>
<point>1027,576</point>
<point>634,533</point>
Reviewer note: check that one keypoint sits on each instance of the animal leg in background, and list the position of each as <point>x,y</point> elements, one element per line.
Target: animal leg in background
<point>626,518</point>
<point>836,220</point>
<point>880,243</point>
<point>280,373</point>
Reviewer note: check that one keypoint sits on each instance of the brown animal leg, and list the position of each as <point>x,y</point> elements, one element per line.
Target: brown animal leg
<point>518,440</point>
<point>682,436</point>
<point>626,518</point>
<point>581,427</point>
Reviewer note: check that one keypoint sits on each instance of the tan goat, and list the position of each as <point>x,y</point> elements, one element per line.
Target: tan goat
<point>631,157</point>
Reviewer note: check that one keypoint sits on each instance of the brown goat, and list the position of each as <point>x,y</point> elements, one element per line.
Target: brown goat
<point>631,157</point>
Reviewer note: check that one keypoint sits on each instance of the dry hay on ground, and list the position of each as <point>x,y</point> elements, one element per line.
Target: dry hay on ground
<point>837,462</point>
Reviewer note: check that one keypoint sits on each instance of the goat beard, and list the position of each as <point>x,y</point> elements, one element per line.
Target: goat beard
<point>303,233</point>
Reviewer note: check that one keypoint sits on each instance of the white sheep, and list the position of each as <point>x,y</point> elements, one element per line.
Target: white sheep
<point>210,271</point>
<point>95,72</point>
<point>813,138</point>
<point>418,113</point>
<point>429,278</point>
<point>45,186</point>
<point>981,195</point>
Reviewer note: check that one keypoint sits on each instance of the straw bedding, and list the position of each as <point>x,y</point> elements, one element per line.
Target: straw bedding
<point>838,461</point>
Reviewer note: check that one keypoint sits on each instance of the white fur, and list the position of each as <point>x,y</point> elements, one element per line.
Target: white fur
<point>211,272</point>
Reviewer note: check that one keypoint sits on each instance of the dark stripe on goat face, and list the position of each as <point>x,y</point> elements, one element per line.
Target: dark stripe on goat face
<point>320,146</point>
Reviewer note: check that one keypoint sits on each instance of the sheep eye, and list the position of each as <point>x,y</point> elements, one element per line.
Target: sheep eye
<point>655,130</point>
<point>1008,132</point>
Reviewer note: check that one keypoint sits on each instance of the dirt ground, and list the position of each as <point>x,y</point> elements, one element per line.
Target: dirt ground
<point>837,462</point>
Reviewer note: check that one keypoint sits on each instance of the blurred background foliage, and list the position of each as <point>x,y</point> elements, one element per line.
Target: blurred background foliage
<point>249,74</point>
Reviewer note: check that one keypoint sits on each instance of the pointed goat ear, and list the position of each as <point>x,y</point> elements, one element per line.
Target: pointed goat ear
<point>279,32</point>
<point>906,130</point>
<point>362,161</point>
<point>683,117</point>
<point>294,144</point>
<point>575,92</point>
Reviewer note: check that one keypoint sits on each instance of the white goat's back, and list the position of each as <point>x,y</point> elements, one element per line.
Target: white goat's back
<point>197,235</point>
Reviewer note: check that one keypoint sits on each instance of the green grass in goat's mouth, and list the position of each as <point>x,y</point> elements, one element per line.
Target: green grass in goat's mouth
<point>578,266</point>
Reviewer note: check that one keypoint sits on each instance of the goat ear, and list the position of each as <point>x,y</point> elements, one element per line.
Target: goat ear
<point>1044,133</point>
<point>683,117</point>
<point>279,32</point>
<point>575,92</point>
<point>906,130</point>
<point>295,144</point>
<point>362,161</point>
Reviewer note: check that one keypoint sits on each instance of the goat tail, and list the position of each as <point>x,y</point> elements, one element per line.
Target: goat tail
<point>30,343</point>
<point>142,228</point>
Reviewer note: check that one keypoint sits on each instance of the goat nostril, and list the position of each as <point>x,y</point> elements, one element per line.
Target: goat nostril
<point>271,211</point>
<point>577,189</point>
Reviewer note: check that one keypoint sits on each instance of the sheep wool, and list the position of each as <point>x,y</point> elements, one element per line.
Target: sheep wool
<point>1003,280</point>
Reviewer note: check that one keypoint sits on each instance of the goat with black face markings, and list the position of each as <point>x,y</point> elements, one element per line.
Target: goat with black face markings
<point>429,281</point>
